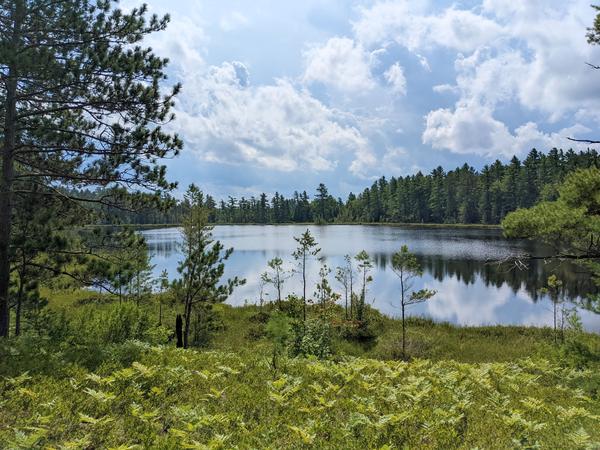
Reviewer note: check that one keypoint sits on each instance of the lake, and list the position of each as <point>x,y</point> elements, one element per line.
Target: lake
<point>471,290</point>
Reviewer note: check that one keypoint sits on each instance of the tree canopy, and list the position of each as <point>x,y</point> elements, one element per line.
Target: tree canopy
<point>83,108</point>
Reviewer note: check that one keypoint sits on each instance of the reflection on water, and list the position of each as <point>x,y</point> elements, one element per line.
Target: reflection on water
<point>471,290</point>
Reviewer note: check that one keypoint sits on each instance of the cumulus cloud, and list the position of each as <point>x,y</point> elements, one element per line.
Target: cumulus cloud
<point>395,77</point>
<point>278,126</point>
<point>183,43</point>
<point>410,24</point>
<point>471,128</point>
<point>340,63</point>
<point>529,55</point>
<point>451,303</point>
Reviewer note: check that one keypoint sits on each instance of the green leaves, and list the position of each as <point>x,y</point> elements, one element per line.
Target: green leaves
<point>169,398</point>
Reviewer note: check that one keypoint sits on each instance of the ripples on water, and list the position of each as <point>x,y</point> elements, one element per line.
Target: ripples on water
<point>471,290</point>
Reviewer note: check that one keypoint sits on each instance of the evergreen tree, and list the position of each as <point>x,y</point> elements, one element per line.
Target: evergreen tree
<point>345,276</point>
<point>364,268</point>
<point>82,106</point>
<point>570,225</point>
<point>203,263</point>
<point>406,266</point>
<point>307,247</point>
<point>276,277</point>
<point>321,199</point>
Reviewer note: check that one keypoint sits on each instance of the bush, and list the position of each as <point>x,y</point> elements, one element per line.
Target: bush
<point>278,330</point>
<point>206,322</point>
<point>311,338</point>
<point>366,330</point>
<point>256,332</point>
<point>292,306</point>
<point>259,317</point>
<point>123,322</point>
<point>157,335</point>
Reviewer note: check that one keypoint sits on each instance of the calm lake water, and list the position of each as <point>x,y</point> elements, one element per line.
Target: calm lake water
<point>470,289</point>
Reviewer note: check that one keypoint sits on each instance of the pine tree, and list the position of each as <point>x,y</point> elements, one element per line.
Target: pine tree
<point>203,262</point>
<point>364,268</point>
<point>406,267</point>
<point>276,276</point>
<point>82,106</point>
<point>321,200</point>
<point>307,247</point>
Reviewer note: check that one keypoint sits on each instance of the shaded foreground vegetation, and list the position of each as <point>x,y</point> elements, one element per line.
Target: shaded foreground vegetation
<point>104,375</point>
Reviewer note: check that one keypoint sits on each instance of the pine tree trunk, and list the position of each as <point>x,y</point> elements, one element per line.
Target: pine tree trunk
<point>278,291</point>
<point>346,303</point>
<point>188,318</point>
<point>555,331</point>
<point>351,299</point>
<point>6,181</point>
<point>19,305</point>
<point>179,330</point>
<point>403,334</point>
<point>304,286</point>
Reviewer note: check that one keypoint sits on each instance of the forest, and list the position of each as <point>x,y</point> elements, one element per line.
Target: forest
<point>460,196</point>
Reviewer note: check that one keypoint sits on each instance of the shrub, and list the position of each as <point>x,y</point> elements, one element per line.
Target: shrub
<point>123,322</point>
<point>278,330</point>
<point>256,332</point>
<point>205,324</point>
<point>311,338</point>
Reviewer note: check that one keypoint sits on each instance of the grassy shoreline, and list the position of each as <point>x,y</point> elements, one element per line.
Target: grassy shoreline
<point>427,338</point>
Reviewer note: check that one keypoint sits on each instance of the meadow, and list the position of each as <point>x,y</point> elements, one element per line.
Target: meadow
<point>107,376</point>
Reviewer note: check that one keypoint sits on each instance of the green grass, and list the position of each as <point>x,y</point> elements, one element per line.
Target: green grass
<point>425,337</point>
<point>473,387</point>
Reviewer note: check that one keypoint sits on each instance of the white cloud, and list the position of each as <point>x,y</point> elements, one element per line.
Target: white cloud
<point>454,301</point>
<point>395,160</point>
<point>410,24</point>
<point>183,42</point>
<point>278,126</point>
<point>508,54</point>
<point>340,63</point>
<point>471,128</point>
<point>395,77</point>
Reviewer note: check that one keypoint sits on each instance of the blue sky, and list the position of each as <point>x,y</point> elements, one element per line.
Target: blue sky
<point>279,96</point>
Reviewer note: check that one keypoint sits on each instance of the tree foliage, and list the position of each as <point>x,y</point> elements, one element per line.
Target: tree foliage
<point>407,268</point>
<point>570,225</point>
<point>82,108</point>
<point>203,263</point>
<point>307,248</point>
<point>462,195</point>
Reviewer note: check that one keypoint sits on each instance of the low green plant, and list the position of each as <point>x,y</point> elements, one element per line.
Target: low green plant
<point>146,396</point>
<point>278,330</point>
<point>311,338</point>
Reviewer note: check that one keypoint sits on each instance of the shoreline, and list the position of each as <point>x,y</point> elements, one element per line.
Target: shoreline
<point>474,226</point>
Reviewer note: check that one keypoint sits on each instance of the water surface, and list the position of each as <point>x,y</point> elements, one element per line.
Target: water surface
<point>471,290</point>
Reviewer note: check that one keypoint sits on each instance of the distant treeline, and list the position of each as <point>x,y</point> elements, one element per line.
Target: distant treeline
<point>463,195</point>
